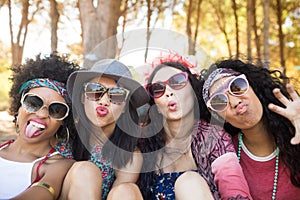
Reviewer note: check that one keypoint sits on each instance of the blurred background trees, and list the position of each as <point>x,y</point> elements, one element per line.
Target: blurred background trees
<point>265,31</point>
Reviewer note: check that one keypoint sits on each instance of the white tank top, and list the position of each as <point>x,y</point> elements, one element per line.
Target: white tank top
<point>15,177</point>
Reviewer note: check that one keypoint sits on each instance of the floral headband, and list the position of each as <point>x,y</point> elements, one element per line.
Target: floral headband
<point>59,87</point>
<point>175,57</point>
<point>213,77</point>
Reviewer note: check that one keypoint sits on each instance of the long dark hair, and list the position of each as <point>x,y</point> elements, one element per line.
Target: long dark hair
<point>119,147</point>
<point>263,81</point>
<point>151,146</point>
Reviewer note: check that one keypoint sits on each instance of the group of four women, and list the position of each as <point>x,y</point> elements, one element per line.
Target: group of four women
<point>231,133</point>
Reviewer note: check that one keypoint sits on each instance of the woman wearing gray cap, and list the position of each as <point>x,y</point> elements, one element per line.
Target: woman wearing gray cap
<point>105,99</point>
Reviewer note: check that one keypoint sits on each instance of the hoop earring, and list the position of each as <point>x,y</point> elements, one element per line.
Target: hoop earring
<point>17,125</point>
<point>68,135</point>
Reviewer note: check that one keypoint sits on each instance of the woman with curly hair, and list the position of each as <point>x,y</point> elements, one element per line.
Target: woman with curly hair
<point>30,167</point>
<point>263,116</point>
<point>185,157</point>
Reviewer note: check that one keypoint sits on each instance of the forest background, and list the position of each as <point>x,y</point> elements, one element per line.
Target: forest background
<point>263,31</point>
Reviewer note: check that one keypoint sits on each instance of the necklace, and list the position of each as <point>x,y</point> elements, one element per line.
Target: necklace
<point>276,165</point>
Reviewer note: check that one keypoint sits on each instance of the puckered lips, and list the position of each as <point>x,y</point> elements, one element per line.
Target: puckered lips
<point>34,128</point>
<point>102,111</point>
<point>241,108</point>
<point>172,105</point>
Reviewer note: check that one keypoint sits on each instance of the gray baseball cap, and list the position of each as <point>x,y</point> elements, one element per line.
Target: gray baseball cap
<point>109,68</point>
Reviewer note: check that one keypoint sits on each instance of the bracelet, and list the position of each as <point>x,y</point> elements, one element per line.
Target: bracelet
<point>46,186</point>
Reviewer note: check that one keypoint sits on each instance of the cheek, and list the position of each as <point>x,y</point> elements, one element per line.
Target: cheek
<point>90,110</point>
<point>117,110</point>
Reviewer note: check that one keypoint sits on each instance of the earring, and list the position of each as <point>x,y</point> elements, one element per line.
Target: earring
<point>17,125</point>
<point>68,135</point>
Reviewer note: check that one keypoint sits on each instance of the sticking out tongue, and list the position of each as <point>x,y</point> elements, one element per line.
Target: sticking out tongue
<point>101,111</point>
<point>33,129</point>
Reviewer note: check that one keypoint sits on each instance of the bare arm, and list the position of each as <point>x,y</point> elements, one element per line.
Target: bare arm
<point>130,173</point>
<point>49,187</point>
<point>292,110</point>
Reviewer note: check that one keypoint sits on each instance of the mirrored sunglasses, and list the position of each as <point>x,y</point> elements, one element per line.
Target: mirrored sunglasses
<point>176,82</point>
<point>95,91</point>
<point>238,86</point>
<point>32,103</point>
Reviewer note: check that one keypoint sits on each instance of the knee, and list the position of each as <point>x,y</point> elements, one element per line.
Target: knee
<point>125,191</point>
<point>191,184</point>
<point>83,170</point>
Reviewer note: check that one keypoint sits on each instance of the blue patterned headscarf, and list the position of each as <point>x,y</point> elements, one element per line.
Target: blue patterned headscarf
<point>59,87</point>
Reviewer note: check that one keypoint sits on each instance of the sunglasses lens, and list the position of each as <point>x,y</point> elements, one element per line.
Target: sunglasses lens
<point>32,103</point>
<point>117,95</point>
<point>239,86</point>
<point>156,90</point>
<point>94,91</point>
<point>178,81</point>
<point>58,110</point>
<point>218,102</point>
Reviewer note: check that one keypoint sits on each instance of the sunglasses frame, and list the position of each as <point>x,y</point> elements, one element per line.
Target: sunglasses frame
<point>105,91</point>
<point>165,83</point>
<point>44,105</point>
<point>227,89</point>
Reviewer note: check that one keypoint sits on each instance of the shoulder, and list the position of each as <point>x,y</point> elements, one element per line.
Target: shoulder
<point>206,128</point>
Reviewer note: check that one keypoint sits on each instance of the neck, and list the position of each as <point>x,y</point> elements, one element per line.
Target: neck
<point>258,141</point>
<point>179,132</point>
<point>102,134</point>
<point>35,149</point>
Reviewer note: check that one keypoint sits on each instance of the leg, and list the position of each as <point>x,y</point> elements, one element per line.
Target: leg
<point>83,181</point>
<point>191,186</point>
<point>125,191</point>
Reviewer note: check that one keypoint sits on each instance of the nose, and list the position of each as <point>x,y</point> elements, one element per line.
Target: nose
<point>169,91</point>
<point>233,101</point>
<point>104,100</point>
<point>43,112</point>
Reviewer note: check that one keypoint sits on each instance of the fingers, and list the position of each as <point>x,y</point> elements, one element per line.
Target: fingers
<point>277,109</point>
<point>280,96</point>
<point>292,92</point>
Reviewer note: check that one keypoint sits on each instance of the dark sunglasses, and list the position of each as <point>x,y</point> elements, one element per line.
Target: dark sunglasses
<point>238,86</point>
<point>32,103</point>
<point>95,91</point>
<point>176,82</point>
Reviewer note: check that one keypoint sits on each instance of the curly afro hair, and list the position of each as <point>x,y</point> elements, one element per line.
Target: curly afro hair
<point>53,66</point>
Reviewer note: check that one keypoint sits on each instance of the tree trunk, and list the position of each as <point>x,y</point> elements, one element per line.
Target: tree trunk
<point>249,28</point>
<point>280,36</point>
<point>54,17</point>
<point>189,26</point>
<point>17,44</point>
<point>18,41</point>
<point>236,18</point>
<point>266,59</point>
<point>99,28</point>
<point>256,36</point>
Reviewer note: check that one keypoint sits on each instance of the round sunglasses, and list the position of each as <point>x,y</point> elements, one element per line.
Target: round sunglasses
<point>176,82</point>
<point>32,103</point>
<point>95,91</point>
<point>238,86</point>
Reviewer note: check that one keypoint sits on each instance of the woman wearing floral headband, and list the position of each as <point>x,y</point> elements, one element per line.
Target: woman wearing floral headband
<point>185,157</point>
<point>245,96</point>
<point>30,168</point>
